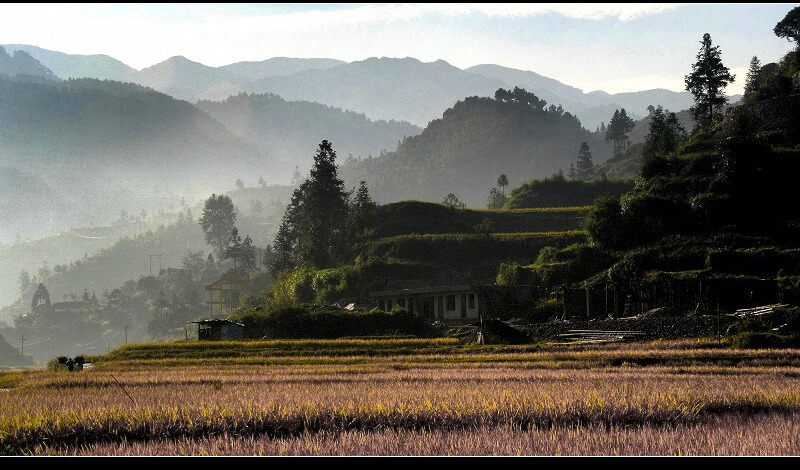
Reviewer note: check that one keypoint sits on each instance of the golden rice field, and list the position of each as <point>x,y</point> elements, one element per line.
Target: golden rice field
<point>417,397</point>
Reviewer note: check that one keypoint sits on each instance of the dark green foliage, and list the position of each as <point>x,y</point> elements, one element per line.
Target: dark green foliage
<point>284,247</point>
<point>707,81</point>
<point>314,226</point>
<point>485,228</point>
<point>556,191</point>
<point>751,82</point>
<point>648,217</point>
<point>618,129</point>
<point>415,217</point>
<point>233,249</point>
<point>242,253</point>
<point>463,250</point>
<point>555,267</point>
<point>764,340</point>
<point>766,262</point>
<point>605,224</point>
<point>789,26</point>
<point>327,322</point>
<point>583,167</point>
<point>361,218</point>
<point>217,221</point>
<point>661,143</point>
<point>247,255</point>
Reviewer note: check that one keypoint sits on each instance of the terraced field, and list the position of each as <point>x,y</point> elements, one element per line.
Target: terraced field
<point>408,396</point>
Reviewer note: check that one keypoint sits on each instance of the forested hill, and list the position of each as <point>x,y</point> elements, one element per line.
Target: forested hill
<point>21,66</point>
<point>290,130</point>
<point>474,142</point>
<point>109,126</point>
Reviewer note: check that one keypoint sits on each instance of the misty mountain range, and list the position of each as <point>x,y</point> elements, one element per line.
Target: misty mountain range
<point>84,137</point>
<point>381,88</point>
<point>127,128</point>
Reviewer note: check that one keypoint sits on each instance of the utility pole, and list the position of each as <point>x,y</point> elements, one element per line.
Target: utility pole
<point>22,346</point>
<point>126,334</point>
<point>159,263</point>
<point>719,335</point>
<point>151,265</point>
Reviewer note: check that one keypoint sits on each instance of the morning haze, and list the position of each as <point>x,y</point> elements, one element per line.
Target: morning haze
<point>537,229</point>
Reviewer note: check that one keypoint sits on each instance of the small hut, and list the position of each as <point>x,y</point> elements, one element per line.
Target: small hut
<point>219,330</point>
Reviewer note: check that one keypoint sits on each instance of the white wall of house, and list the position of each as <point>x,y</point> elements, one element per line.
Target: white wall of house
<point>440,304</point>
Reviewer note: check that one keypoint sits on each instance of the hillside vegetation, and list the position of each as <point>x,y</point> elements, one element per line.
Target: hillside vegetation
<point>556,191</point>
<point>475,141</point>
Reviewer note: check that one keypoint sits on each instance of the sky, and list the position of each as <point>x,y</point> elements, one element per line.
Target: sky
<point>610,47</point>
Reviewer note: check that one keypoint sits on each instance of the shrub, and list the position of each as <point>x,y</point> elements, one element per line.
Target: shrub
<point>764,340</point>
<point>327,322</point>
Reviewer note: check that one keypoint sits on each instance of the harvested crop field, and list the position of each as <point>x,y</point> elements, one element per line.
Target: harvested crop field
<point>415,397</point>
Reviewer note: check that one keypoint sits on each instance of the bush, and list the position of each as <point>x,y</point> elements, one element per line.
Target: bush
<point>606,226</point>
<point>328,322</point>
<point>765,340</point>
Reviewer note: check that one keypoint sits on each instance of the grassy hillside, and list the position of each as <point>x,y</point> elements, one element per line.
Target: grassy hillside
<point>714,217</point>
<point>416,217</point>
<point>557,192</point>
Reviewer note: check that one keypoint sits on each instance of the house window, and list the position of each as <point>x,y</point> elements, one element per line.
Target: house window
<point>401,303</point>
<point>472,301</point>
<point>451,302</point>
<point>440,306</point>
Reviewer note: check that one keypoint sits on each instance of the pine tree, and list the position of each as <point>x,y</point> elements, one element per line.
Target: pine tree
<point>266,259</point>
<point>247,255</point>
<point>571,173</point>
<point>583,167</point>
<point>707,81</point>
<point>234,248</point>
<point>283,254</point>
<point>751,82</point>
<point>314,226</point>
<point>362,216</point>
<point>662,140</point>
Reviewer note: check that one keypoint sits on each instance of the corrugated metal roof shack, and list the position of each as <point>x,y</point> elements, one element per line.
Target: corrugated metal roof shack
<point>219,330</point>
